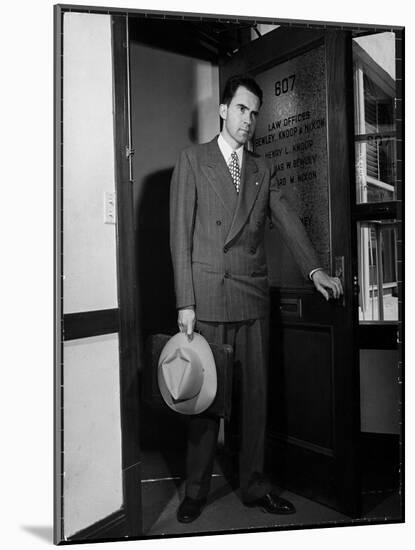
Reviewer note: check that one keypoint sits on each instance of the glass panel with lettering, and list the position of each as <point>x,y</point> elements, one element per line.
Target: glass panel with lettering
<point>292,131</point>
<point>375,129</point>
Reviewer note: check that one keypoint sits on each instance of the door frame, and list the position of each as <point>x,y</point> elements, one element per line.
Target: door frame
<point>127,281</point>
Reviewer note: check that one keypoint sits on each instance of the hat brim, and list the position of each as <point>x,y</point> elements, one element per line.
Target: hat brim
<point>207,393</point>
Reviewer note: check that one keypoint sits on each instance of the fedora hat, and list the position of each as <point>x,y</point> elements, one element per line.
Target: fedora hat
<point>186,374</point>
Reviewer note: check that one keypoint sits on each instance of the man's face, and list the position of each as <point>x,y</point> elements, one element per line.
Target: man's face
<point>239,117</point>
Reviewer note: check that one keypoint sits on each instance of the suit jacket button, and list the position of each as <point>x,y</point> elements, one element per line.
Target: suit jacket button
<point>253,250</point>
<point>227,275</point>
<point>225,249</point>
<point>218,222</point>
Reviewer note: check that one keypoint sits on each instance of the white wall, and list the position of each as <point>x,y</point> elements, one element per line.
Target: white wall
<point>174,101</point>
<point>171,95</point>
<point>91,401</point>
<point>207,100</point>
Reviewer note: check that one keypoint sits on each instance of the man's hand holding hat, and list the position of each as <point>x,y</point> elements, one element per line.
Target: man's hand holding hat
<point>186,321</point>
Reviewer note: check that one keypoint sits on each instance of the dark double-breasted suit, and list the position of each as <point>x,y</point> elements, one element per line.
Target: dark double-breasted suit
<point>220,269</point>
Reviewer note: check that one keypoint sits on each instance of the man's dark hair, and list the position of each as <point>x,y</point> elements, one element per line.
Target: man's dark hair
<point>233,84</point>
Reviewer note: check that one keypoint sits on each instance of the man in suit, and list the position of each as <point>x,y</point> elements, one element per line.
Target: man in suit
<point>221,196</point>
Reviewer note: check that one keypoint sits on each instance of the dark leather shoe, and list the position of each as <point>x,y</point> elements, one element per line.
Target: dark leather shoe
<point>273,504</point>
<point>190,509</point>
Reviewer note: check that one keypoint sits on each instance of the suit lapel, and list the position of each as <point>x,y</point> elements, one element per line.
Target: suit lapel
<point>252,178</point>
<point>219,177</point>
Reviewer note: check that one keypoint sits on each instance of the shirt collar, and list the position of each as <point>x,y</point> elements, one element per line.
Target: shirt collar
<point>227,150</point>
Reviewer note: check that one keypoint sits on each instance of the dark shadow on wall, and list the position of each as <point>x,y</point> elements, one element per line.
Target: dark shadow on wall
<point>156,296</point>
<point>161,430</point>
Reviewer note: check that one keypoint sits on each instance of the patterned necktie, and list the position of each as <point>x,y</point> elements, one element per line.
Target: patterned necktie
<point>234,169</point>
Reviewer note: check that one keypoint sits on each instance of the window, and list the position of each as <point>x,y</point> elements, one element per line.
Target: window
<point>378,297</point>
<point>375,154</point>
<point>375,131</point>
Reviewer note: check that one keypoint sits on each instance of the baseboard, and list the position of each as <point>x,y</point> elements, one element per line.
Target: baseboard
<point>109,528</point>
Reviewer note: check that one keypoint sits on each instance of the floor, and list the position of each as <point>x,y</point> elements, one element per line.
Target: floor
<point>162,491</point>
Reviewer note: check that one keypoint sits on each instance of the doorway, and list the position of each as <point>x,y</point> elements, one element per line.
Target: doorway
<point>174,98</point>
<point>177,71</point>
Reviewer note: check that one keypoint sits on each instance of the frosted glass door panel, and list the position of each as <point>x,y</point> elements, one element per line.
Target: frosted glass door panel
<point>89,244</point>
<point>92,431</point>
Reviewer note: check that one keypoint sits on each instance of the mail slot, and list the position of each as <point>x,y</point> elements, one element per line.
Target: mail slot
<point>291,307</point>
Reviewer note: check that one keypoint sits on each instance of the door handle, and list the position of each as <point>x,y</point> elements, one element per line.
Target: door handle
<point>339,272</point>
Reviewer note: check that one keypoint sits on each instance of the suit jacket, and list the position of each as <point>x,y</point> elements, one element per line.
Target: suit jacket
<point>217,235</point>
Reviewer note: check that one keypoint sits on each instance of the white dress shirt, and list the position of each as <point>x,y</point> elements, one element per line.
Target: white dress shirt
<point>227,151</point>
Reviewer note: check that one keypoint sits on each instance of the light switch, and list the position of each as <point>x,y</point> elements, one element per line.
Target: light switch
<point>110,208</point>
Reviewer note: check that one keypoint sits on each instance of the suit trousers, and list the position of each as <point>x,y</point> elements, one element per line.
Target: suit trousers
<point>249,340</point>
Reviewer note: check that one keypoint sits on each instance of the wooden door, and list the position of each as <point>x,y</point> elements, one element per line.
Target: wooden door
<point>306,127</point>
